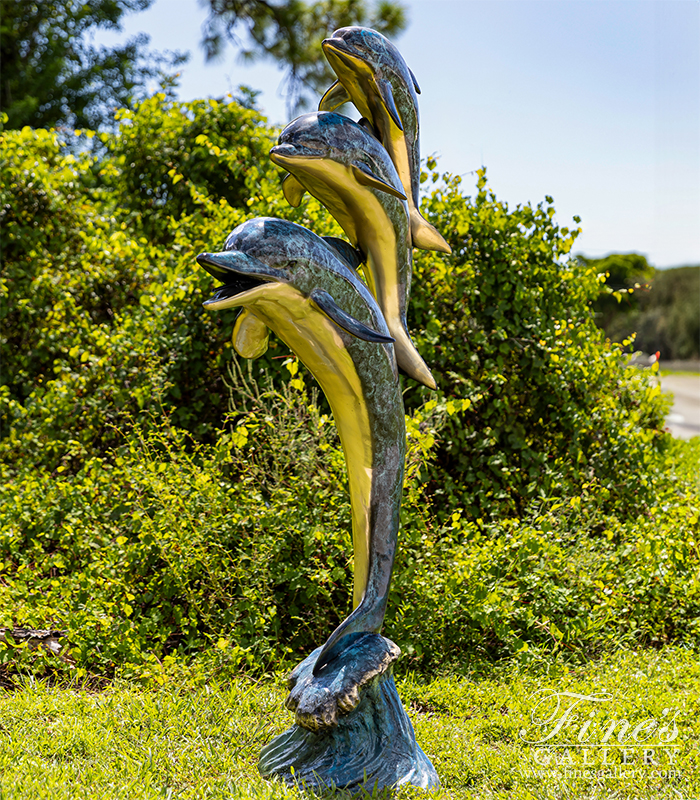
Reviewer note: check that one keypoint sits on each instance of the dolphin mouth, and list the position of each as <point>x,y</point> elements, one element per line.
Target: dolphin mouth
<point>339,49</point>
<point>283,154</point>
<point>234,283</point>
<point>233,287</point>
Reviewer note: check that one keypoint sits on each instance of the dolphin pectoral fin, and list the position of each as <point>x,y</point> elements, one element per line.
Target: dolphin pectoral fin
<point>424,236</point>
<point>415,82</point>
<point>387,95</point>
<point>293,190</point>
<point>250,335</point>
<point>345,250</point>
<point>364,175</point>
<point>409,360</point>
<point>353,326</point>
<point>417,369</point>
<point>335,97</point>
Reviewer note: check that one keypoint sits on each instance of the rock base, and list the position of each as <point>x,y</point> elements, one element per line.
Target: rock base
<point>351,729</point>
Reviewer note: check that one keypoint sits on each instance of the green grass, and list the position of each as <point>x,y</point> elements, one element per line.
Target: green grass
<point>183,740</point>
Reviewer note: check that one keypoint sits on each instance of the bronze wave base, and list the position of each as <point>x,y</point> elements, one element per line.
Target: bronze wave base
<point>351,730</point>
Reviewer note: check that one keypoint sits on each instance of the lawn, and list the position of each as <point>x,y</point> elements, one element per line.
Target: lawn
<point>192,740</point>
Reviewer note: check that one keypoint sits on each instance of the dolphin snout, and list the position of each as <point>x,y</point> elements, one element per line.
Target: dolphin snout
<point>284,149</point>
<point>282,154</point>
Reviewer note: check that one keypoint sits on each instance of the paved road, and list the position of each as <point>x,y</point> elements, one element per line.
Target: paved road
<point>684,419</point>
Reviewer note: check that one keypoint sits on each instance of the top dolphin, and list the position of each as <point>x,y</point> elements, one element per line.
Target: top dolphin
<point>295,283</point>
<point>374,76</point>
<point>349,171</point>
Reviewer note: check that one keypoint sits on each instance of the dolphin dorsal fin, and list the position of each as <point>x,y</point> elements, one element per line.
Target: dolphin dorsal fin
<point>415,82</point>
<point>293,190</point>
<point>345,250</point>
<point>363,122</point>
<point>387,95</point>
<point>333,311</point>
<point>335,97</point>
<point>364,175</point>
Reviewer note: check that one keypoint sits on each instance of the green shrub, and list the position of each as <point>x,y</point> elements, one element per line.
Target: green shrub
<point>544,404</point>
<point>153,523</point>
<point>171,547</point>
<point>567,579</point>
<point>668,319</point>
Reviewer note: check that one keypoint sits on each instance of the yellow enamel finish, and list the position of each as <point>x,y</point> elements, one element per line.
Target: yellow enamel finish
<point>250,335</point>
<point>316,340</point>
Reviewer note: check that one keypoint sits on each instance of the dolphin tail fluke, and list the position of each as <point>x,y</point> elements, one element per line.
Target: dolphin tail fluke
<point>360,621</point>
<point>424,236</point>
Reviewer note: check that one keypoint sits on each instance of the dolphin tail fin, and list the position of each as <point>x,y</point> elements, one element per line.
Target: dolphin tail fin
<point>335,97</point>
<point>360,621</point>
<point>424,236</point>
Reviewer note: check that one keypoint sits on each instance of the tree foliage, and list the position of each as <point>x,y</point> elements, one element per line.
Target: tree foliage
<point>52,73</point>
<point>659,309</point>
<point>290,32</point>
<point>621,274</point>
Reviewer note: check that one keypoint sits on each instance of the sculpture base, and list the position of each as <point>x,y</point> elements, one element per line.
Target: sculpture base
<point>352,731</point>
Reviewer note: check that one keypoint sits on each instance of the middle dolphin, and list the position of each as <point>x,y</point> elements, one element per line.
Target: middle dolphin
<point>347,169</point>
<point>294,282</point>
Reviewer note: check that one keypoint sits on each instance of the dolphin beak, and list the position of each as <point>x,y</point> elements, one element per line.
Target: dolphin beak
<point>223,267</point>
<point>283,149</point>
<point>283,154</point>
<point>334,45</point>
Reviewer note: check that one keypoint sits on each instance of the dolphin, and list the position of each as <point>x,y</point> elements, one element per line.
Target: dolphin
<point>347,169</point>
<point>296,284</point>
<point>374,76</point>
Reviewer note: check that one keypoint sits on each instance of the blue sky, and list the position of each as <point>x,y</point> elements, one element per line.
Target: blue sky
<point>595,102</point>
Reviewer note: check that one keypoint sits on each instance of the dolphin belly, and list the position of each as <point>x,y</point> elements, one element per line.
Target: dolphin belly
<point>319,345</point>
<point>376,99</point>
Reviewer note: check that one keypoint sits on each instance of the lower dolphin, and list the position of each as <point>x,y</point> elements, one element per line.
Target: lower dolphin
<point>296,284</point>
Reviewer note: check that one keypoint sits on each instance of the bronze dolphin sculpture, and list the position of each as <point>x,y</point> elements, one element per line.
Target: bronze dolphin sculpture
<point>349,171</point>
<point>374,76</point>
<point>296,283</point>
